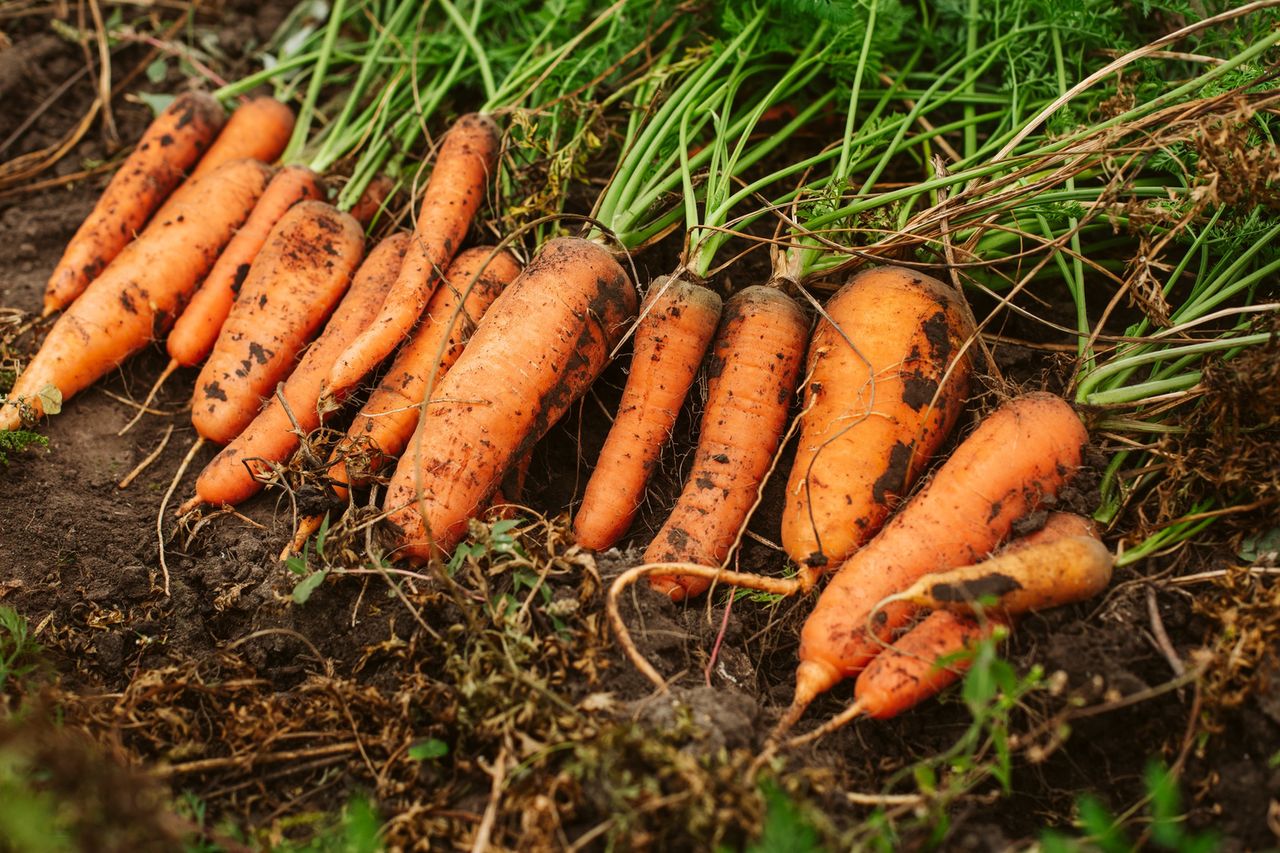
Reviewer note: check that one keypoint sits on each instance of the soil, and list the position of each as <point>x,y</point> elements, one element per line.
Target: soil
<point>271,713</point>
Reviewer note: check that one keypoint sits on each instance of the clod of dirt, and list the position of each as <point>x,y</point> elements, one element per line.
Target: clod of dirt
<point>726,716</point>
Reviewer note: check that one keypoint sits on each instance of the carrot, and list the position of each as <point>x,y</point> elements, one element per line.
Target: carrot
<point>754,366</point>
<point>258,129</point>
<point>907,673</point>
<point>466,159</point>
<point>1014,462</point>
<point>235,473</point>
<point>137,296</point>
<point>384,425</point>
<point>373,199</point>
<point>294,283</point>
<point>539,347</point>
<point>886,382</point>
<point>155,167</point>
<point>676,326</point>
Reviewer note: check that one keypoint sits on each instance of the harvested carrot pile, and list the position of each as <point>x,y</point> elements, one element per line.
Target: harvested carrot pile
<point>774,425</point>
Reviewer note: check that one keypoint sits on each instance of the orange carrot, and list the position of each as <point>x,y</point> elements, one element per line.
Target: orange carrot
<point>1015,461</point>
<point>388,418</point>
<point>466,159</point>
<point>905,674</point>
<point>754,366</point>
<point>539,347</point>
<point>137,296</point>
<point>155,167</point>
<point>258,129</point>
<point>235,473</point>
<point>294,283</point>
<point>676,326</point>
<point>886,383</point>
<point>375,195</point>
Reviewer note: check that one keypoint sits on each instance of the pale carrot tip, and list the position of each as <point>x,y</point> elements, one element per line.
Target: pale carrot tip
<point>50,308</point>
<point>668,586</point>
<point>189,505</point>
<point>814,677</point>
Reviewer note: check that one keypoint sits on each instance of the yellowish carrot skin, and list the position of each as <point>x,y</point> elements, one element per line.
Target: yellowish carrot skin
<point>258,129</point>
<point>454,193</point>
<point>1016,460</point>
<point>175,140</point>
<point>196,331</point>
<point>1035,578</point>
<point>675,329</point>
<point>887,378</point>
<point>144,288</point>
<point>909,672</point>
<point>754,368</point>
<point>539,347</point>
<point>294,284</point>
<point>388,418</point>
<point>233,475</point>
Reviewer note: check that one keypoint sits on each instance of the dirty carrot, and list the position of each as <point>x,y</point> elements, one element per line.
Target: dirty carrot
<point>539,347</point>
<point>258,129</point>
<point>887,378</point>
<point>294,283</point>
<point>676,326</point>
<point>753,369</point>
<point>195,331</point>
<point>465,162</point>
<point>167,148</point>
<point>1017,459</point>
<point>142,289</point>
<point>237,472</point>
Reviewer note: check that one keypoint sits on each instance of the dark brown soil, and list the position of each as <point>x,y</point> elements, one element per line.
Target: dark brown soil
<point>228,662</point>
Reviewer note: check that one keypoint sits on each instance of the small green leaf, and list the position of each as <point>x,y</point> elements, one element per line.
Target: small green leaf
<point>157,70</point>
<point>308,585</point>
<point>322,534</point>
<point>428,750</point>
<point>50,400</point>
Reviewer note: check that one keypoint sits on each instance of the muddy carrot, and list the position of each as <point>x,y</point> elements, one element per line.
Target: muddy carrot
<point>886,382</point>
<point>676,326</point>
<point>754,367</point>
<point>141,291</point>
<point>296,280</point>
<point>466,160</point>
<point>541,344</point>
<point>167,148</point>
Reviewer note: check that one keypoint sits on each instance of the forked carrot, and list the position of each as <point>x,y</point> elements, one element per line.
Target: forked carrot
<point>887,379</point>
<point>538,348</point>
<point>466,159</point>
<point>676,325</point>
<point>138,295</point>
<point>294,283</point>
<point>237,472</point>
<point>167,148</point>
<point>753,369</point>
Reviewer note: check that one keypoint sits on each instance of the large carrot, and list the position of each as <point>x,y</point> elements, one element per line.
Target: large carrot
<point>886,382</point>
<point>539,347</point>
<point>454,192</point>
<point>258,129</point>
<point>1014,462</point>
<point>676,326</point>
<point>155,167</point>
<point>234,474</point>
<point>754,367</point>
<point>387,420</point>
<point>294,283</point>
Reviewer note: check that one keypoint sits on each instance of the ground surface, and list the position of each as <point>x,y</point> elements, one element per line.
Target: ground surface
<point>274,715</point>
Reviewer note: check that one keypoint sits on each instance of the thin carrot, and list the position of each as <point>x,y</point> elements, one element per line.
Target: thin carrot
<point>539,347</point>
<point>386,422</point>
<point>137,296</point>
<point>236,473</point>
<point>676,326</point>
<point>1015,461</point>
<point>754,366</point>
<point>373,199</point>
<point>886,382</point>
<point>151,172</point>
<point>258,129</point>
<point>294,283</point>
<point>466,159</point>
